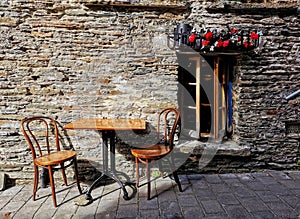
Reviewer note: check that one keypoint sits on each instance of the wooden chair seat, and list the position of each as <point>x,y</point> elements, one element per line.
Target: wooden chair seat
<point>151,152</point>
<point>55,158</point>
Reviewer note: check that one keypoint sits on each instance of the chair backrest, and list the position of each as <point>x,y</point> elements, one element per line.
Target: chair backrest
<point>40,132</point>
<point>170,118</point>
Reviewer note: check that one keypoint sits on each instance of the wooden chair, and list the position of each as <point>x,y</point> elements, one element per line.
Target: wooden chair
<point>40,132</point>
<point>149,153</point>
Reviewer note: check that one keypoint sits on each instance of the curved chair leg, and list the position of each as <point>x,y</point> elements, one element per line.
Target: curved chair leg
<point>137,172</point>
<point>52,185</point>
<point>148,179</point>
<point>176,178</point>
<point>36,181</point>
<point>175,175</point>
<point>76,175</point>
<point>64,173</point>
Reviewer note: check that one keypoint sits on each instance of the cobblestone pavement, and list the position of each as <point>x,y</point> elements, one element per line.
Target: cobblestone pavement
<point>268,194</point>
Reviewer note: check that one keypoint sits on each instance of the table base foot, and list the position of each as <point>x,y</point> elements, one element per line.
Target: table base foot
<point>125,196</point>
<point>88,195</point>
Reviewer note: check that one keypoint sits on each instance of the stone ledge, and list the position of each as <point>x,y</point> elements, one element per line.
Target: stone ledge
<point>251,8</point>
<point>174,9</point>
<point>227,148</point>
<point>189,143</point>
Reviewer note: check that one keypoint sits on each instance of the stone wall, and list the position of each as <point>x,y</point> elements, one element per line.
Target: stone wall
<point>66,60</point>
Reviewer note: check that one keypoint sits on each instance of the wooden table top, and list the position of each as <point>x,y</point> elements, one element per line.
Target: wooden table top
<point>107,124</point>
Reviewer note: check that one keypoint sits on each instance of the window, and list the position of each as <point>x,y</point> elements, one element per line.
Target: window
<point>205,94</point>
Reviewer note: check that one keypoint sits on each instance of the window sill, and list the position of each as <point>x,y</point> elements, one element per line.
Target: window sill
<point>188,144</point>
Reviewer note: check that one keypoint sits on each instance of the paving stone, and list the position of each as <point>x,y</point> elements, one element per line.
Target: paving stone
<point>105,215</point>
<point>253,204</point>
<point>23,195</point>
<point>213,179</point>
<point>91,209</point>
<point>212,207</point>
<point>166,195</point>
<point>132,200</point>
<point>243,191</point>
<point>13,207</point>
<point>291,200</point>
<point>267,196</point>
<point>216,216</point>
<point>192,212</point>
<point>12,190</point>
<point>46,210</point>
<point>297,209</point>
<point>108,192</point>
<point>267,179</point>
<point>278,189</point>
<point>148,204</point>
<point>227,199</point>
<point>291,184</point>
<point>237,212</point>
<point>30,207</point>
<point>220,188</point>
<point>281,209</point>
<point>256,186</point>
<point>188,201</point>
<point>149,214</point>
<point>108,205</point>
<point>296,192</point>
<point>195,178</point>
<point>266,214</point>
<point>127,211</point>
<point>233,182</point>
<point>60,215</point>
<point>206,194</point>
<point>202,184</point>
<point>169,209</point>
<point>5,199</point>
<point>62,211</point>
<point>171,215</point>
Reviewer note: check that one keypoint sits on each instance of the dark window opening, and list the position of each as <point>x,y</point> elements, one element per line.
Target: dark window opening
<point>205,95</point>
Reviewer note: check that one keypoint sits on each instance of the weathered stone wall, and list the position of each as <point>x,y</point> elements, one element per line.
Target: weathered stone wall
<point>65,60</point>
<point>263,79</point>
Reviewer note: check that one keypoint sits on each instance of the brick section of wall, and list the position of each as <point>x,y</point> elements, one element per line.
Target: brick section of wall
<point>67,61</point>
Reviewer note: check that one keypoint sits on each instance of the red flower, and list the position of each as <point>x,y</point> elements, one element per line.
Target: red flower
<point>234,30</point>
<point>208,35</point>
<point>219,44</point>
<point>248,44</point>
<point>253,36</point>
<point>192,38</point>
<point>205,42</point>
<point>226,43</point>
